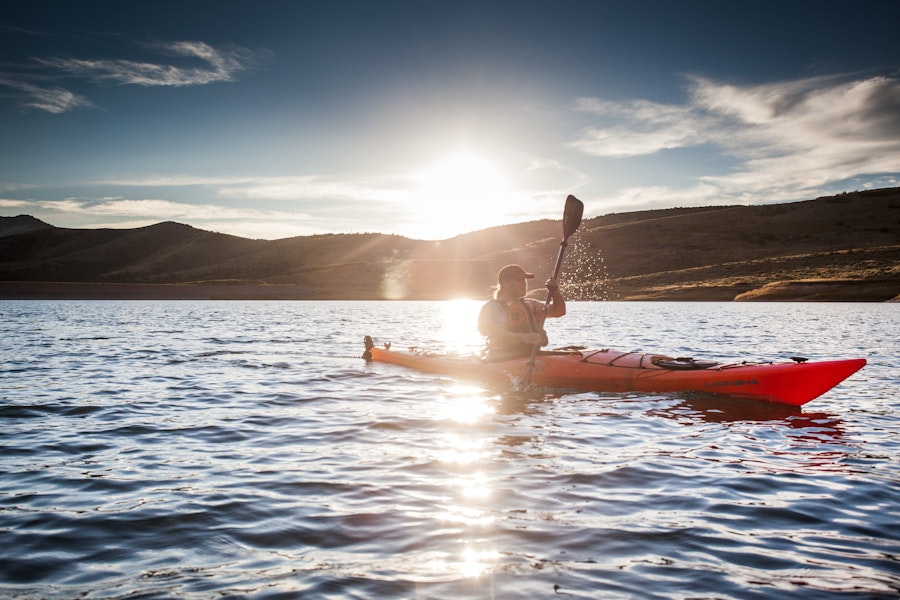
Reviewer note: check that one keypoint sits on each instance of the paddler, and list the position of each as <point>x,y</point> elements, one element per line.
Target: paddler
<point>512,323</point>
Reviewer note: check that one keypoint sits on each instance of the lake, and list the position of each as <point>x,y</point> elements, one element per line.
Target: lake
<point>198,449</point>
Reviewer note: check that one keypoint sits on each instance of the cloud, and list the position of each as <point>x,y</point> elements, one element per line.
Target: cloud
<point>548,175</point>
<point>644,127</point>
<point>789,138</point>
<point>159,209</point>
<point>287,188</point>
<point>384,190</point>
<point>219,65</point>
<point>46,98</point>
<point>118,213</point>
<point>10,203</point>
<point>215,65</point>
<point>173,180</point>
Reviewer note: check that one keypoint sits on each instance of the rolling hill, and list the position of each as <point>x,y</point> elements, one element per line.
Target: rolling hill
<point>844,247</point>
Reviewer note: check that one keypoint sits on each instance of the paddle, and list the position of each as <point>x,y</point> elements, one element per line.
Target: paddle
<point>571,220</point>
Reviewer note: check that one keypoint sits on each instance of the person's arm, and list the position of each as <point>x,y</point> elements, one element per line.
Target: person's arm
<point>557,306</point>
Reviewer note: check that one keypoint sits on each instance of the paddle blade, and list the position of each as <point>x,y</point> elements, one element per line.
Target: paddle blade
<point>572,215</point>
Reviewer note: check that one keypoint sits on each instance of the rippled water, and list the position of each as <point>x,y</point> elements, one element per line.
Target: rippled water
<point>242,449</point>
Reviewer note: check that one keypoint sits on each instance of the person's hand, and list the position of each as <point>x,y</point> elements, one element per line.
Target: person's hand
<point>552,284</point>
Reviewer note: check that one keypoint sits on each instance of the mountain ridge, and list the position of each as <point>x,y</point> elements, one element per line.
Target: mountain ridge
<point>843,247</point>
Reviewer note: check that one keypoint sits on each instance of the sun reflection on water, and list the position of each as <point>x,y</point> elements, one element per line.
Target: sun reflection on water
<point>467,515</point>
<point>465,405</point>
<point>459,325</point>
<point>472,562</point>
<point>467,448</point>
<point>461,451</point>
<point>474,486</point>
<point>476,561</point>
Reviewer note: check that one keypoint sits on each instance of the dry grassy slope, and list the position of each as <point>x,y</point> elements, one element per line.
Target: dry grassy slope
<point>717,254</point>
<point>154,253</point>
<point>21,224</point>
<point>686,253</point>
<point>745,233</point>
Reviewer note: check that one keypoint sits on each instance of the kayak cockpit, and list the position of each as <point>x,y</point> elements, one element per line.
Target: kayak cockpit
<point>640,360</point>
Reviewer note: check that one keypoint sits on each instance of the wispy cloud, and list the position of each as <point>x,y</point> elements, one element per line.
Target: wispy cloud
<point>392,197</point>
<point>218,65</point>
<point>126,213</point>
<point>385,190</point>
<point>46,98</point>
<point>641,127</point>
<point>788,138</point>
<point>158,209</point>
<point>206,64</point>
<point>13,203</point>
<point>285,188</point>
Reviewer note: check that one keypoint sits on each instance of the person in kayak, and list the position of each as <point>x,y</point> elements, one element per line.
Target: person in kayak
<point>512,323</point>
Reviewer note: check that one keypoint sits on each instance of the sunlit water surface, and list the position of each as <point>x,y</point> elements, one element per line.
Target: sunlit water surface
<point>242,449</point>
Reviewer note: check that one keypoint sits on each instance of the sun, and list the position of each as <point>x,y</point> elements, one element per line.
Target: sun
<point>462,174</point>
<point>461,193</point>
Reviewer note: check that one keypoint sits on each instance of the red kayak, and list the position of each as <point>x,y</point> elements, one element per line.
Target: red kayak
<point>794,383</point>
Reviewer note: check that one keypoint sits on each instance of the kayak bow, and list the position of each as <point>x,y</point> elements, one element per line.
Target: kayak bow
<point>604,370</point>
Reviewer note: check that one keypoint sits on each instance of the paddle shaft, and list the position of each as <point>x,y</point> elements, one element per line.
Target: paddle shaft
<point>571,221</point>
<point>559,259</point>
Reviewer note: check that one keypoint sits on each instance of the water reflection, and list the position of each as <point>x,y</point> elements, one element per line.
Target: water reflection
<point>466,448</point>
<point>465,404</point>
<point>717,409</point>
<point>458,326</point>
<point>772,438</point>
<point>467,515</point>
<point>477,561</point>
<point>460,450</point>
<point>609,451</point>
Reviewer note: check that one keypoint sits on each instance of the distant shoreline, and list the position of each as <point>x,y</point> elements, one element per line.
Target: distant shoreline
<point>792,291</point>
<point>41,290</point>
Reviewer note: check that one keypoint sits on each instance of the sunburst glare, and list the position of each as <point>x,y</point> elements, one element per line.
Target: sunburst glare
<point>475,485</point>
<point>459,331</point>
<point>477,562</point>
<point>460,194</point>
<point>461,450</point>
<point>465,405</point>
<point>467,515</point>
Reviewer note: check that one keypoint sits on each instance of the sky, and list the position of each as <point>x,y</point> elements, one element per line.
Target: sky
<point>272,119</point>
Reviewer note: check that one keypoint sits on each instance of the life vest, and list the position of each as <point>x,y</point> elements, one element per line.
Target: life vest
<point>520,318</point>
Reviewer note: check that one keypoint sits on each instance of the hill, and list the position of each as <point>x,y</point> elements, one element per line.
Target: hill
<point>844,247</point>
<point>21,224</point>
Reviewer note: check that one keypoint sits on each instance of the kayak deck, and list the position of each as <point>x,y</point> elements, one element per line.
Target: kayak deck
<point>605,370</point>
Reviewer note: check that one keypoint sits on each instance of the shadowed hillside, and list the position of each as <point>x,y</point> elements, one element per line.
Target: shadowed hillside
<point>844,247</point>
<point>719,253</point>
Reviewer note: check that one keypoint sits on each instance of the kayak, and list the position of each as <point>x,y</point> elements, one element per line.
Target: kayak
<point>605,370</point>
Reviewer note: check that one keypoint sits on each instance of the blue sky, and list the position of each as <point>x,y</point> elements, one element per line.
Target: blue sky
<point>272,119</point>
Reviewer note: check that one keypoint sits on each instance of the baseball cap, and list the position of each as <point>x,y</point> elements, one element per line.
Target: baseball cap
<point>512,271</point>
